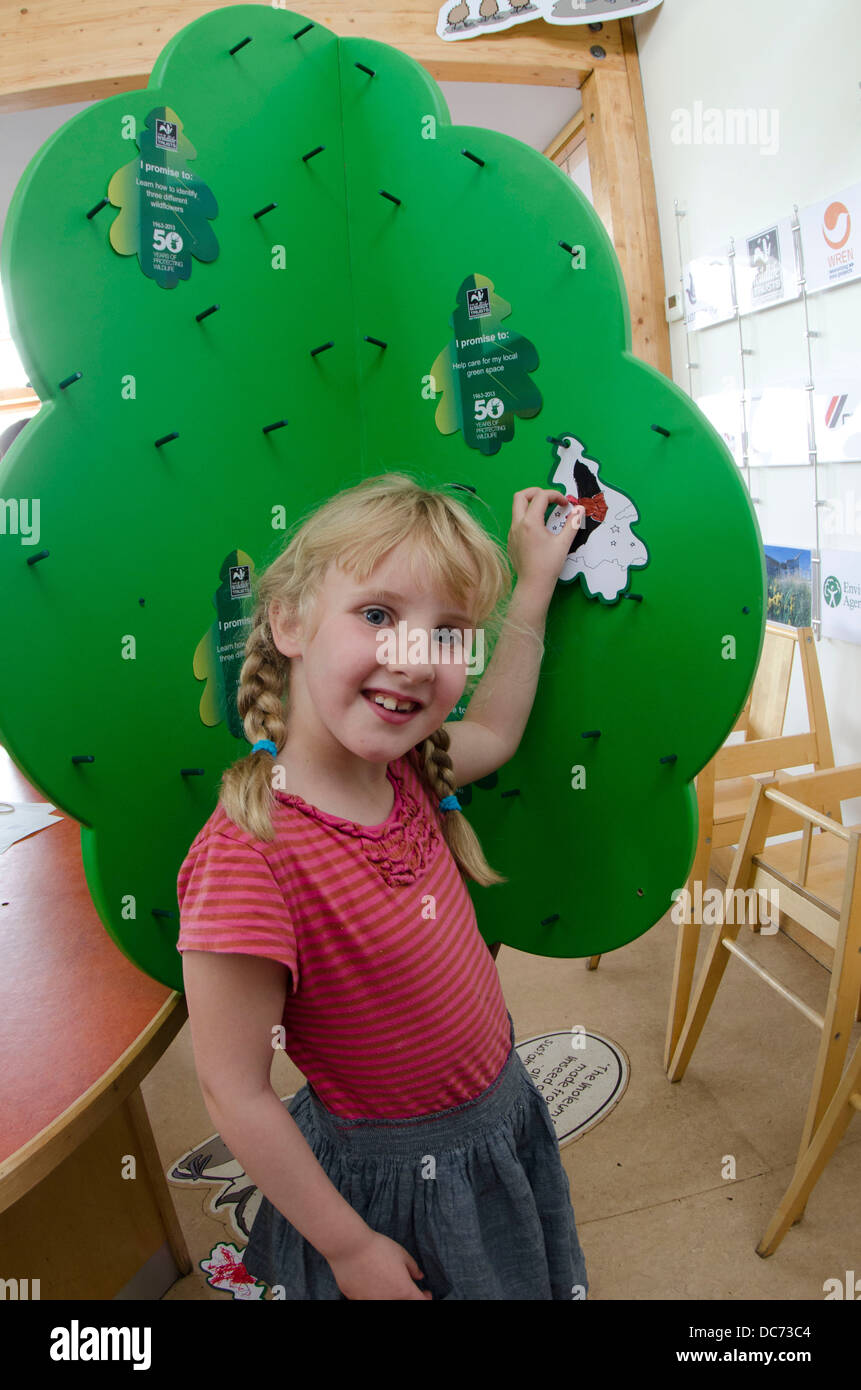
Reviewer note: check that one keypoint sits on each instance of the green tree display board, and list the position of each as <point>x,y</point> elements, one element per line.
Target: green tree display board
<point>277,270</point>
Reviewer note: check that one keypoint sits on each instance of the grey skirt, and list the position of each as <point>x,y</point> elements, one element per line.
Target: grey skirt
<point>494,1222</point>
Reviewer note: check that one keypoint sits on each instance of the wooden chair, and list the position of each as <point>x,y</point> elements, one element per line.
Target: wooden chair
<point>823,893</point>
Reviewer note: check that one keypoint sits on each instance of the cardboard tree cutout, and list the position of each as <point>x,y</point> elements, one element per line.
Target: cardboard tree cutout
<point>237,344</point>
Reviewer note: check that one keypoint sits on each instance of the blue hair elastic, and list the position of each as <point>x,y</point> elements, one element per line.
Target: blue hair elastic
<point>266,744</point>
<point>450,803</point>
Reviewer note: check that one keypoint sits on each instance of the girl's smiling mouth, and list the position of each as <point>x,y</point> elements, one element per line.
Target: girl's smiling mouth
<point>391,716</point>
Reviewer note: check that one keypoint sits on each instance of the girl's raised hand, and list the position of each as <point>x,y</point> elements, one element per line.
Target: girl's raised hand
<point>536,553</point>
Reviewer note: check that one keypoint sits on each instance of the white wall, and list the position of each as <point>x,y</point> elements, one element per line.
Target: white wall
<point>799,62</point>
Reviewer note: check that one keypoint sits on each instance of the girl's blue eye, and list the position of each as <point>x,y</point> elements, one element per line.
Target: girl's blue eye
<point>373,610</point>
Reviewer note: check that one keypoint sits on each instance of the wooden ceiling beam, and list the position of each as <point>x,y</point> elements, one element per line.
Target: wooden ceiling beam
<point>53,52</point>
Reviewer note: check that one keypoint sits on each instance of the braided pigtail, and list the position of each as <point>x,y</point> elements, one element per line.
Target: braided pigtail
<point>459,834</point>
<point>246,786</point>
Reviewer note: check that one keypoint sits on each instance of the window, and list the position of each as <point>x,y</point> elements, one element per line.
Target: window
<point>17,399</point>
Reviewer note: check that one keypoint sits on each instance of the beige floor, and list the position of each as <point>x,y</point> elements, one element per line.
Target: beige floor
<point>656,1218</point>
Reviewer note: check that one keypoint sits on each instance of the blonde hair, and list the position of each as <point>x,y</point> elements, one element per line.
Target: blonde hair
<point>357,528</point>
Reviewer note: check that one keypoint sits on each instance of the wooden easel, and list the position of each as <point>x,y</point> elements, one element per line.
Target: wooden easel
<point>725,784</point>
<point>824,894</point>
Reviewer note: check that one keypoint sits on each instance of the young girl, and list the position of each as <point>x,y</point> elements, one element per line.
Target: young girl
<point>324,910</point>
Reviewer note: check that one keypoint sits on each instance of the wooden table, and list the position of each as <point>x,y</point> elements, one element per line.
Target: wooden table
<point>80,1026</point>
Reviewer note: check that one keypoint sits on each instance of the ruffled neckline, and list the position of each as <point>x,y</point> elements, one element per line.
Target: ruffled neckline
<point>351,827</point>
<point>400,848</point>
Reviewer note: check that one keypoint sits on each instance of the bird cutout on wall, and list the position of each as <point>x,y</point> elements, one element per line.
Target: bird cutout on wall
<point>463,20</point>
<point>220,653</point>
<point>483,373</point>
<point>164,208</point>
<point>605,549</point>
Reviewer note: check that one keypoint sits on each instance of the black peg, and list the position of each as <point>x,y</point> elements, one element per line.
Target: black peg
<point>591,733</point>
<point>141,601</point>
<point>166,438</point>
<point>42,555</point>
<point>103,204</point>
<point>242,42</point>
<point>551,439</point>
<point>474,157</point>
<point>596,28</point>
<point>745,610</point>
<point>597,51</point>
<point>369,71</point>
<point>191,771</point>
<point>566,247</point>
<point>514,792</point>
<point>375,340</point>
<point>162,912</point>
<point>638,598</point>
<point>391,197</point>
<point>545,921</point>
<point>300,32</point>
<point>311,153</point>
<point>83,758</point>
<point>268,208</point>
<point>76,376</point>
<point>267,429</point>
<point>206,312</point>
<point>670,758</point>
<point>322,348</point>
<point>659,429</point>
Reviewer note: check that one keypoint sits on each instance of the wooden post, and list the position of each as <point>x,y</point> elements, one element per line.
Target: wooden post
<point>623,189</point>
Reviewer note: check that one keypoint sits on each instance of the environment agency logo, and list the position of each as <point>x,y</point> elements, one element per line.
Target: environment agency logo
<point>832,592</point>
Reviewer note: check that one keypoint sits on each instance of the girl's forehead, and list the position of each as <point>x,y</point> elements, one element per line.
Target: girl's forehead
<point>399,572</point>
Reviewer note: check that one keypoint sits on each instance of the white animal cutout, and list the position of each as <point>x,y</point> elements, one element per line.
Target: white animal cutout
<point>611,550</point>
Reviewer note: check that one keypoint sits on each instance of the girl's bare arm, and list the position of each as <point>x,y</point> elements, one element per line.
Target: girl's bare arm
<point>234,1002</point>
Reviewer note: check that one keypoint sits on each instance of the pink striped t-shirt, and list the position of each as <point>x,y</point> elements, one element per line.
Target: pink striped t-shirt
<point>393,1006</point>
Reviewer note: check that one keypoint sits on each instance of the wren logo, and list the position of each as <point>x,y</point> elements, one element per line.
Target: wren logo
<point>76,1343</point>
